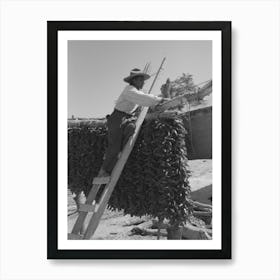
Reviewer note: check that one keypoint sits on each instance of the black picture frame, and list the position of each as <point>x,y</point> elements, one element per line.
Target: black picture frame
<point>52,138</point>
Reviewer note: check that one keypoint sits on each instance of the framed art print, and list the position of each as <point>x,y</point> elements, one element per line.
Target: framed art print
<point>139,140</point>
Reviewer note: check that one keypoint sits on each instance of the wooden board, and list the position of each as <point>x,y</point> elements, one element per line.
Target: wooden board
<point>87,208</point>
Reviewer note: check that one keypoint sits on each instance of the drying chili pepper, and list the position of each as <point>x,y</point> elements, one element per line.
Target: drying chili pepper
<point>154,180</point>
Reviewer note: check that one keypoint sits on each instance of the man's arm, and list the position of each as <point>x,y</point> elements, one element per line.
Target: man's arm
<point>140,98</point>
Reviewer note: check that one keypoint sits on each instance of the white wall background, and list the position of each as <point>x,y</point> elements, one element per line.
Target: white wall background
<point>255,139</point>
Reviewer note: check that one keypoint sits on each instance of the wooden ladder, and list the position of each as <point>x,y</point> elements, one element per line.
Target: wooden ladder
<point>90,205</point>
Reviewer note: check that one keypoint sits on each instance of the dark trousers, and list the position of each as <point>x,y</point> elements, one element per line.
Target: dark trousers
<point>120,127</point>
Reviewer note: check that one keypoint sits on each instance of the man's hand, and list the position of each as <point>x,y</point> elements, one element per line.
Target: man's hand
<point>163,100</point>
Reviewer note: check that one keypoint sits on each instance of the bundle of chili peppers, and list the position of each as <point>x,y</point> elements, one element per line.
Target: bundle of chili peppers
<point>154,180</point>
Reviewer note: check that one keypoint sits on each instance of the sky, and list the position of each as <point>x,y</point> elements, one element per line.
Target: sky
<point>96,69</point>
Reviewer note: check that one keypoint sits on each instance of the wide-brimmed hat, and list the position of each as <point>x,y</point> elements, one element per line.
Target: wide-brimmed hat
<point>136,72</point>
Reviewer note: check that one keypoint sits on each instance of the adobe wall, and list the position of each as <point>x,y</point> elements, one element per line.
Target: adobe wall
<point>201,132</point>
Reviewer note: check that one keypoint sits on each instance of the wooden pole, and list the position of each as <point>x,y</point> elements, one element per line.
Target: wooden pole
<point>157,75</point>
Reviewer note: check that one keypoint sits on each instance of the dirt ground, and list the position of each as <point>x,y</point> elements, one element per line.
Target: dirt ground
<point>115,225</point>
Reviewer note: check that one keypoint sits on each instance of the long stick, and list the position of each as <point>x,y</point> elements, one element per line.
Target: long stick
<point>157,75</point>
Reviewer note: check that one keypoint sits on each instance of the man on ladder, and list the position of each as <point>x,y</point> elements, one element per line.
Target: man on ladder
<point>120,125</point>
<point>131,97</point>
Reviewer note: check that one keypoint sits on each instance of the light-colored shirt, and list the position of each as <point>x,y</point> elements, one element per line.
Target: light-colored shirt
<point>131,97</point>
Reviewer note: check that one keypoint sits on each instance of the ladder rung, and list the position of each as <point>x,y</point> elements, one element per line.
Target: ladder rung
<point>101,180</point>
<point>86,208</point>
<point>73,236</point>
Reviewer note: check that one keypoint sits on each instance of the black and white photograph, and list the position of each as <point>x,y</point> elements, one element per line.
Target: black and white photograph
<point>172,152</point>
<point>139,140</point>
<point>139,132</point>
